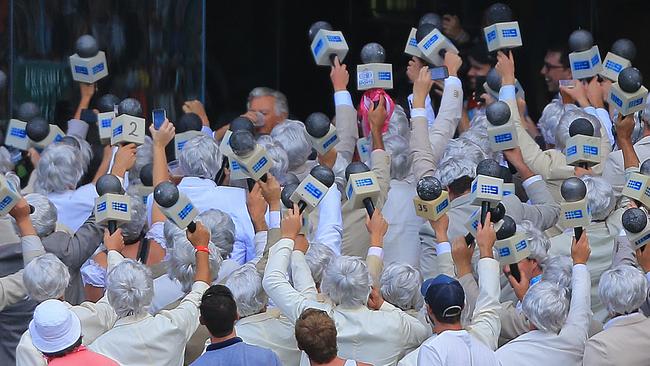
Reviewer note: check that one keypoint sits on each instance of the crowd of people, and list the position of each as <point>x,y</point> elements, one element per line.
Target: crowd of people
<point>259,283</point>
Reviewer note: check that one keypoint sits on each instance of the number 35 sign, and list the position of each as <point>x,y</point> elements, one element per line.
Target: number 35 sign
<point>127,129</point>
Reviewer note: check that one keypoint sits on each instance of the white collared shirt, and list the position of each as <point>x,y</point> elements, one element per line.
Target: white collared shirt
<point>73,208</point>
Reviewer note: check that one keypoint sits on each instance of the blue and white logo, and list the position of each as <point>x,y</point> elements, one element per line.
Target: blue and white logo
<point>101,206</point>
<point>318,47</point>
<point>120,206</point>
<point>581,65</point>
<point>590,150</point>
<point>363,182</point>
<point>80,70</point>
<point>260,164</point>
<point>504,137</point>
<point>614,66</point>
<point>5,202</point>
<point>314,191</point>
<point>489,189</point>
<point>521,245</point>
<point>504,252</point>
<point>185,211</point>
<point>430,42</point>
<point>117,131</point>
<point>616,99</point>
<point>573,215</point>
<point>442,206</point>
<point>491,36</point>
<point>18,132</point>
<point>509,33</point>
<point>330,141</point>
<point>634,184</point>
<point>98,68</point>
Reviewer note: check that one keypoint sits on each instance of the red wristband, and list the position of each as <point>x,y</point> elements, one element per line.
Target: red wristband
<point>202,249</point>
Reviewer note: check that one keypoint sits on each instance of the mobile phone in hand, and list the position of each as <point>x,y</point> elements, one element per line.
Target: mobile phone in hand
<point>159,116</point>
<point>439,73</point>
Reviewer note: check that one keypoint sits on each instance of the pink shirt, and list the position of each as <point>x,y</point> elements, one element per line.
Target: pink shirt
<point>82,357</point>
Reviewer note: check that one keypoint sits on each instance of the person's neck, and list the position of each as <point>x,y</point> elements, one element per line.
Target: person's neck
<point>536,272</point>
<point>441,327</point>
<point>336,361</point>
<point>225,338</point>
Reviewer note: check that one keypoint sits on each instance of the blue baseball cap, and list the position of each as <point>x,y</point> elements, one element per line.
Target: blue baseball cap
<point>444,295</point>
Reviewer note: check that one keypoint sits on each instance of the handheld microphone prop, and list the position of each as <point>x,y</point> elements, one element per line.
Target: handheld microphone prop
<point>146,178</point>
<point>497,214</point>
<point>492,85</point>
<point>189,126</point>
<point>112,205</point>
<point>487,187</point>
<point>106,106</point>
<point>502,132</point>
<point>503,32</point>
<point>619,58</point>
<point>17,128</point>
<point>574,212</point>
<point>637,228</point>
<point>236,173</point>
<point>582,147</point>
<point>89,63</point>
<point>251,157</point>
<point>308,194</point>
<point>506,175</point>
<point>362,188</point>
<point>628,94</point>
<point>511,246</point>
<point>175,206</point>
<point>637,186</point>
<point>411,47</point>
<point>41,133</point>
<point>326,44</point>
<point>373,72</point>
<point>321,132</point>
<point>128,126</point>
<point>432,201</point>
<point>433,44</point>
<point>9,196</point>
<point>584,57</point>
<point>285,196</point>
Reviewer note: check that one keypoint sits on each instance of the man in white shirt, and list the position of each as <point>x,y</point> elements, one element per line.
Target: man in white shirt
<point>445,298</point>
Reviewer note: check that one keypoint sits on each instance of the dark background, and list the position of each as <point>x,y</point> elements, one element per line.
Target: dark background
<point>161,60</point>
<point>265,43</point>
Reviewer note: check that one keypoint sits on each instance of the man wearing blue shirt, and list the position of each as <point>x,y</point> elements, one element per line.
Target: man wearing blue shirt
<point>219,314</point>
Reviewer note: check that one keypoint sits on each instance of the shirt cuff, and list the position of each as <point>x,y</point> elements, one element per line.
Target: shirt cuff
<point>343,97</point>
<point>376,251</point>
<point>200,287</point>
<point>274,220</point>
<point>647,276</point>
<point>31,243</point>
<point>419,112</point>
<point>580,266</point>
<point>442,248</point>
<point>452,80</point>
<point>528,182</point>
<point>206,131</point>
<point>507,92</point>
<point>591,110</point>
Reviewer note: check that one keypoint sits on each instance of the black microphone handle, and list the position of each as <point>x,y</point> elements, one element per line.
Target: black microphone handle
<point>584,165</point>
<point>191,227</point>
<point>112,226</point>
<point>514,271</point>
<point>302,205</point>
<point>512,168</point>
<point>442,53</point>
<point>578,232</point>
<point>485,208</point>
<point>332,57</point>
<point>250,183</point>
<point>263,178</point>
<point>31,209</point>
<point>370,206</point>
<point>221,174</point>
<point>469,239</point>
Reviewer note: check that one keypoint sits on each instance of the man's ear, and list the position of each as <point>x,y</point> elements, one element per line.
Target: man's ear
<point>201,320</point>
<point>429,310</point>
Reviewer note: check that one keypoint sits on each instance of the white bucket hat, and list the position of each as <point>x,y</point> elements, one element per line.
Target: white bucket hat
<point>54,327</point>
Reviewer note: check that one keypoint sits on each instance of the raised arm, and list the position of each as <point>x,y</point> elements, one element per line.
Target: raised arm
<point>424,161</point>
<point>443,247</point>
<point>271,192</point>
<point>290,301</point>
<point>579,317</point>
<point>257,207</point>
<point>300,272</point>
<point>486,325</point>
<point>346,114</point>
<point>161,138</point>
<point>86,92</point>
<point>330,221</point>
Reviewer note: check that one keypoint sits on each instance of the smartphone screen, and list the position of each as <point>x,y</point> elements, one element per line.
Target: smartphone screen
<point>439,73</point>
<point>158,116</point>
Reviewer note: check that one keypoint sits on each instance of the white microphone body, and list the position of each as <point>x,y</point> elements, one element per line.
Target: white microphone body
<point>144,192</point>
<point>363,147</point>
<point>9,195</point>
<point>104,124</point>
<point>504,35</point>
<point>411,47</point>
<point>486,189</point>
<point>585,64</point>
<point>513,249</point>
<point>309,191</point>
<point>256,163</point>
<point>88,70</point>
<point>182,213</point>
<point>639,239</point>
<point>374,75</point>
<point>628,103</point>
<point>112,207</point>
<point>325,143</point>
<point>638,187</point>
<point>327,43</point>
<point>434,209</point>
<point>519,90</point>
<point>613,65</point>
<point>432,44</point>
<point>361,186</point>
<point>574,214</point>
<point>503,137</point>
<point>128,129</point>
<point>472,223</point>
<point>17,135</point>
<point>508,189</point>
<point>181,139</point>
<point>583,149</point>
